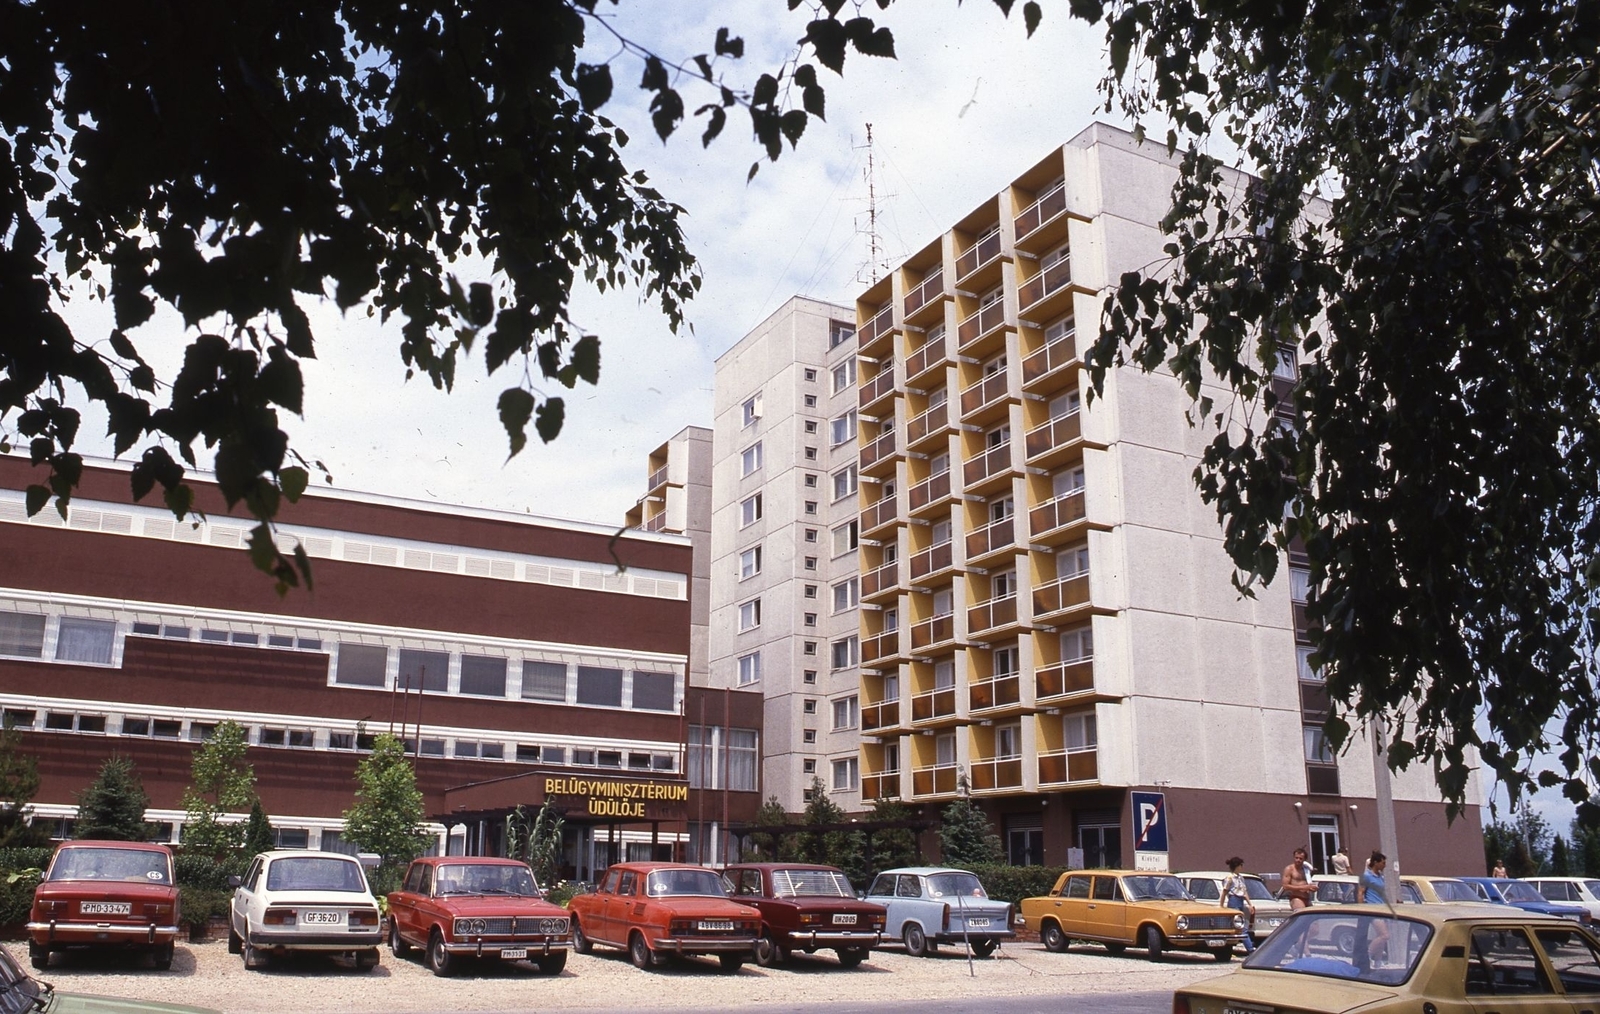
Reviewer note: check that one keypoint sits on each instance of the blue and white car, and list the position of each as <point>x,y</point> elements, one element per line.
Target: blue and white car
<point>932,905</point>
<point>1501,891</point>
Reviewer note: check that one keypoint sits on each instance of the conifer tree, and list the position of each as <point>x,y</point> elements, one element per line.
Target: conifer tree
<point>112,806</point>
<point>258,836</point>
<point>965,838</point>
<point>19,783</point>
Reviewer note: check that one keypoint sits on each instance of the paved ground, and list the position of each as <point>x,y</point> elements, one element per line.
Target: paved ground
<point>207,975</point>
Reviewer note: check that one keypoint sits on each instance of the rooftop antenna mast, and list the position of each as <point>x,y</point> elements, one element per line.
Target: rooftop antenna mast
<point>875,259</point>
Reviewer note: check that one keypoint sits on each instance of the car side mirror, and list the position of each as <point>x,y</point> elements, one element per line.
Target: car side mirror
<point>235,881</point>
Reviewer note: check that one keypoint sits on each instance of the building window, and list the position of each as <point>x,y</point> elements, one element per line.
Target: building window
<point>1080,732</point>
<point>842,428</point>
<point>846,775</point>
<point>808,706</point>
<point>1001,508</point>
<point>846,537</point>
<point>1005,661</point>
<point>749,510</point>
<point>941,533</point>
<point>891,758</point>
<point>1288,364</point>
<point>844,375</point>
<point>944,603</point>
<point>1065,405</point>
<point>891,688</point>
<point>1003,585</point>
<point>891,619</point>
<point>749,668</point>
<point>429,670</point>
<point>483,675</point>
<point>654,691</point>
<point>22,635</point>
<point>845,713</point>
<point>1077,645</point>
<point>844,483</point>
<point>751,409</point>
<point>846,595</point>
<point>742,750</point>
<point>750,459</point>
<point>944,674</point>
<point>750,563</point>
<point>839,333</point>
<point>811,535</point>
<point>810,619</point>
<point>83,640</point>
<point>808,736</point>
<point>810,591</point>
<point>808,647</point>
<point>1302,660</point>
<point>811,454</point>
<point>810,375</point>
<point>214,635</point>
<point>1008,742</point>
<point>360,665</point>
<point>845,652</point>
<point>811,561</point>
<point>750,614</point>
<point>944,750</point>
<point>811,424</point>
<point>808,766</point>
<point>1299,586</point>
<point>599,687</point>
<point>811,480</point>
<point>1073,561</point>
<point>1318,751</point>
<point>544,681</point>
<point>809,676</point>
<point>998,437</point>
<point>811,507</point>
<point>1067,481</point>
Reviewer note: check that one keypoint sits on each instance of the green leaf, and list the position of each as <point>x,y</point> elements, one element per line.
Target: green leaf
<point>727,45</point>
<point>551,413</point>
<point>294,480</point>
<point>655,75</point>
<point>1031,16</point>
<point>593,82</point>
<point>827,38</point>
<point>516,408</point>
<point>35,497</point>
<point>480,304</point>
<point>586,358</point>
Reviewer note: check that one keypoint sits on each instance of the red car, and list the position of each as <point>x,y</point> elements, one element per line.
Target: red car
<point>807,908</point>
<point>655,910</point>
<point>475,907</point>
<point>99,894</point>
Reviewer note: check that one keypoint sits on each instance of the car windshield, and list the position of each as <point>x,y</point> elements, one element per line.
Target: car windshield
<point>314,873</point>
<point>955,885</point>
<point>1516,890</point>
<point>1149,888</point>
<point>672,883</point>
<point>1593,886</point>
<point>1256,889</point>
<point>137,865</point>
<point>811,884</point>
<point>1454,890</point>
<point>486,878</point>
<point>18,989</point>
<point>1379,949</point>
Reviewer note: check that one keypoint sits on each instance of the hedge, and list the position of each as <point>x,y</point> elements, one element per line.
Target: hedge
<point>199,904</point>
<point>207,873</point>
<point>16,898</point>
<point>30,858</point>
<point>1013,883</point>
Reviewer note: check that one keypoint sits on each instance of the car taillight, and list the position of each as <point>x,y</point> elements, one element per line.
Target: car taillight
<point>680,927</point>
<point>363,917</point>
<point>749,927</point>
<point>1180,1004</point>
<point>947,916</point>
<point>158,909</point>
<point>52,907</point>
<point>809,918</point>
<point>279,917</point>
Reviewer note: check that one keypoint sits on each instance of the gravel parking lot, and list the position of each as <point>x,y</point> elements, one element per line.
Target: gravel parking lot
<point>207,975</point>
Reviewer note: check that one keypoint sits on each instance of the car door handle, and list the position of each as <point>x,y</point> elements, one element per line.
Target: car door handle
<point>1091,908</point>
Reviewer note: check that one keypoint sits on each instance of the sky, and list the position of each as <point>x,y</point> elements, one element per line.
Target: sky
<point>970,104</point>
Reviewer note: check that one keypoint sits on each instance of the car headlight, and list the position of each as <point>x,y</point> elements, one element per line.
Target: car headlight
<point>1238,921</point>
<point>1183,924</point>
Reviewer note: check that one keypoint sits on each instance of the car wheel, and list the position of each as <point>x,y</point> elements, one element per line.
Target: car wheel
<point>639,951</point>
<point>1116,948</point>
<point>234,943</point>
<point>254,959</point>
<point>1154,943</point>
<point>1223,953</point>
<point>768,951</point>
<point>440,961</point>
<point>731,962</point>
<point>398,947</point>
<point>1344,938</point>
<point>161,957</point>
<point>1053,939</point>
<point>850,957</point>
<point>552,963</point>
<point>580,942</point>
<point>367,960</point>
<point>39,957</point>
<point>985,947</point>
<point>915,940</point>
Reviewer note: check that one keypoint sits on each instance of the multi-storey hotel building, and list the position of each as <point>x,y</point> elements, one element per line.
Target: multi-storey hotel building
<point>677,501</point>
<point>522,659</point>
<point>785,581</point>
<point>1046,605</point>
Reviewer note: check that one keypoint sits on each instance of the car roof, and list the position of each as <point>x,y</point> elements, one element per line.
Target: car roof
<point>1215,874</point>
<point>786,866</point>
<point>1337,878</point>
<point>1443,912</point>
<point>470,860</point>
<point>923,871</point>
<point>302,853</point>
<point>653,867</point>
<point>1430,877</point>
<point>1561,880</point>
<point>106,843</point>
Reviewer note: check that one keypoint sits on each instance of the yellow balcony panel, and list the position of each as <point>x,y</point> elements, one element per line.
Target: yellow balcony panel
<point>984,331</point>
<point>1058,519</point>
<point>932,562</point>
<point>656,523</point>
<point>1004,691</point>
<point>997,774</point>
<point>658,478</point>
<point>931,492</point>
<point>1055,440</point>
<point>1056,600</point>
<point>1067,767</point>
<point>878,648</point>
<point>929,633</point>
<point>986,399</point>
<point>937,780</point>
<point>930,356</point>
<point>879,515</point>
<point>972,262</point>
<point>1063,680</point>
<point>873,337</point>
<point>877,391</point>
<point>1042,225</point>
<point>1047,294</point>
<point>925,303</point>
<point>933,705</point>
<point>992,538</point>
<point>882,580</point>
<point>1043,368</point>
<point>878,455</point>
<point>884,715</point>
<point>992,618</point>
<point>987,470</point>
<point>884,786</point>
<point>928,426</point>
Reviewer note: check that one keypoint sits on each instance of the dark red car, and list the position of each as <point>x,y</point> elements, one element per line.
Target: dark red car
<point>807,908</point>
<point>459,907</point>
<point>99,894</point>
<point>655,910</point>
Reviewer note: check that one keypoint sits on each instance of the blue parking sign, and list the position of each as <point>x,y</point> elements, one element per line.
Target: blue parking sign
<point>1149,821</point>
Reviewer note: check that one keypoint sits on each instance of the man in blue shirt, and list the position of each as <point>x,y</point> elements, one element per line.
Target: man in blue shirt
<point>1371,889</point>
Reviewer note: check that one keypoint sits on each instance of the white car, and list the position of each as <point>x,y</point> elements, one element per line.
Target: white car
<point>1584,891</point>
<point>298,900</point>
<point>1270,912</point>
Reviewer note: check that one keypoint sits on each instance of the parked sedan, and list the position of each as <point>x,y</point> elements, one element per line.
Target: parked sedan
<point>1445,958</point>
<point>295,900</point>
<point>1120,908</point>
<point>1270,912</point>
<point>473,907</point>
<point>656,910</point>
<point>21,993</point>
<point>806,908</point>
<point>932,905</point>
<point>105,894</point>
<point>1438,890</point>
<point>1500,891</point>
<point>1583,891</point>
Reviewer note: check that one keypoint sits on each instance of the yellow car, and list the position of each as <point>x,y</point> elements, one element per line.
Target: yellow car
<point>1437,890</point>
<point>1452,959</point>
<point>1122,908</point>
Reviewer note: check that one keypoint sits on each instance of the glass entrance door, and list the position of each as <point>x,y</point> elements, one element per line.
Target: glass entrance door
<point>1102,846</point>
<point>1324,830</point>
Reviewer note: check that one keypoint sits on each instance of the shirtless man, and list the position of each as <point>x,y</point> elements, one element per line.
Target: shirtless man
<point>1296,884</point>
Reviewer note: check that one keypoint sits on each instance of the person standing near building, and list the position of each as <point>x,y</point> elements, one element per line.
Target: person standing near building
<point>1499,870</point>
<point>1371,890</point>
<point>1236,895</point>
<point>1297,882</point>
<point>1341,862</point>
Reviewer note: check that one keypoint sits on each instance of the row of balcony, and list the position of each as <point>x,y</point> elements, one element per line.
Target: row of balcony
<point>1058,768</point>
<point>1054,685</point>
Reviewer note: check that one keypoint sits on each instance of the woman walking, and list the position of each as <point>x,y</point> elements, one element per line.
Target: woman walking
<point>1236,895</point>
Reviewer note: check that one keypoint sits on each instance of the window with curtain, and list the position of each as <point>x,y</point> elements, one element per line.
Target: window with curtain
<point>544,681</point>
<point>429,670</point>
<point>360,665</point>
<point>483,675</point>
<point>21,635</point>
<point>742,760</point>
<point>599,686</point>
<point>83,640</point>
<point>654,691</point>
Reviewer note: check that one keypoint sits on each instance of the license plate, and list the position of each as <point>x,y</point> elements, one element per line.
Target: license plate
<point>1216,942</point>
<point>321,918</point>
<point>105,907</point>
<point>977,923</point>
<point>716,925</point>
<point>844,920</point>
<point>514,953</point>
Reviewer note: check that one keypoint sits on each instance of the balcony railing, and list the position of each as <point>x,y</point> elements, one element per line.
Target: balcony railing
<point>977,255</point>
<point>926,292</point>
<point>1048,205</point>
<point>928,423</point>
<point>932,781</point>
<point>932,704</point>
<point>1047,282</point>
<point>929,632</point>
<point>1052,357</point>
<point>931,561</point>
<point>930,355</point>
<point>995,692</point>
<point>929,490</point>
<point>656,523</point>
<point>878,514</point>
<point>1061,595</point>
<point>878,646</point>
<point>1056,513</point>
<point>992,613</point>
<point>991,462</point>
<point>658,478</point>
<point>1002,773</point>
<point>878,450</point>
<point>1062,679</point>
<point>881,323</point>
<point>884,715</point>
<point>993,536</point>
<point>981,324</point>
<point>1053,434</point>
<point>990,389</point>
<point>1062,766</point>
<point>881,579</point>
<point>878,387</point>
<point>884,786</point>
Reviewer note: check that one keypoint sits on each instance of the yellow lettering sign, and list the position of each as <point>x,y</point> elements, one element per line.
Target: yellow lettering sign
<point>673,792</point>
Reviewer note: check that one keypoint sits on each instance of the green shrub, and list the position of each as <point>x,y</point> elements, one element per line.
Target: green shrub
<point>1013,883</point>
<point>199,904</point>
<point>561,892</point>
<point>16,896</point>
<point>12,860</point>
<point>209,873</point>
